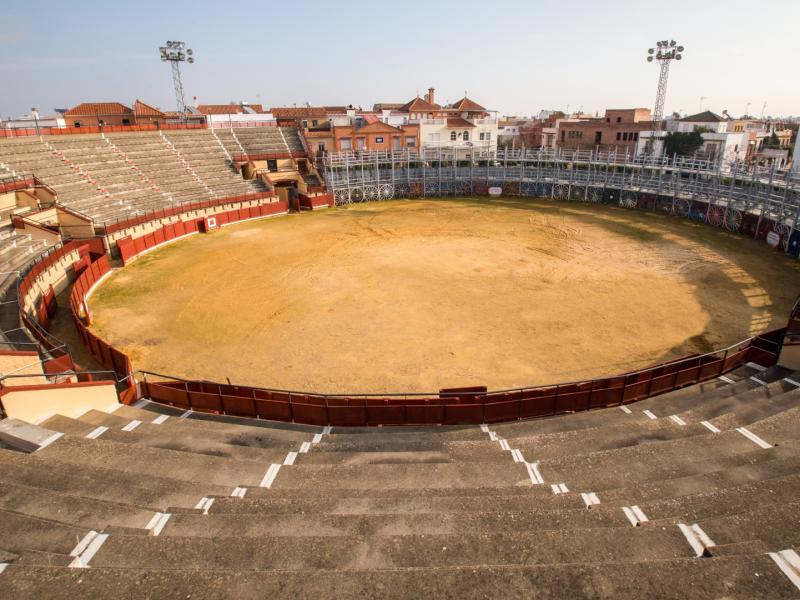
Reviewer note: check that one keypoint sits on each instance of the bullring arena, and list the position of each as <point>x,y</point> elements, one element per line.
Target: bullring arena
<point>232,370</point>
<point>422,294</point>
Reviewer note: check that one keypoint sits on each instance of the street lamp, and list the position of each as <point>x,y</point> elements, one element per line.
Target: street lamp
<point>664,52</point>
<point>176,53</point>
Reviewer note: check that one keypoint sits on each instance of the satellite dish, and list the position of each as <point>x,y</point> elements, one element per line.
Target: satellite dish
<point>650,50</point>
<point>649,59</point>
<point>678,57</point>
<point>190,52</point>
<point>190,60</point>
<point>680,48</point>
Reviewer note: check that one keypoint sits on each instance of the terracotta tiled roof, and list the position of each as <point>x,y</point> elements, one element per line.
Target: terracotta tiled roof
<point>302,112</point>
<point>458,122</point>
<point>387,106</point>
<point>145,110</point>
<point>467,104</point>
<point>418,104</point>
<point>378,127</point>
<point>339,110</point>
<point>98,108</point>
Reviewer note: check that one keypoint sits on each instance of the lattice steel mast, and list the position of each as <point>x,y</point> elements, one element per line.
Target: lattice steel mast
<point>176,53</point>
<point>664,52</point>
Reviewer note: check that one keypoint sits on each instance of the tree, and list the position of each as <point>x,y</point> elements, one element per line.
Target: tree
<point>772,141</point>
<point>682,143</point>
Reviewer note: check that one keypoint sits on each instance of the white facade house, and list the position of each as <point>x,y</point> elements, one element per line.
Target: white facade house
<point>717,140</point>
<point>456,132</point>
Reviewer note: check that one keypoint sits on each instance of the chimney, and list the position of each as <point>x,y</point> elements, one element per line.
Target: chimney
<point>429,97</point>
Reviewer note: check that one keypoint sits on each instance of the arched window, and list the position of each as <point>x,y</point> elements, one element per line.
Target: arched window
<point>452,136</point>
<point>466,136</point>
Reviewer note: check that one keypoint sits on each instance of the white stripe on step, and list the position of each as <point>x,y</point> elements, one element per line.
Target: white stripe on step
<point>792,381</point>
<point>559,488</point>
<point>625,409</point>
<point>630,516</point>
<point>678,420</point>
<point>758,381</point>
<point>305,447</point>
<point>533,473</point>
<point>50,440</point>
<point>590,499</point>
<point>82,545</point>
<point>484,428</point>
<point>82,561</point>
<point>753,438</point>
<point>96,433</point>
<point>160,419</point>
<point>710,426</point>
<point>141,403</point>
<point>725,379</point>
<point>186,414</point>
<point>201,504</point>
<point>132,425</point>
<point>270,475</point>
<point>493,436</point>
<point>753,365</point>
<point>290,457</point>
<point>785,559</point>
<point>690,536</point>
<point>504,445</point>
<point>702,536</point>
<point>157,522</point>
<point>649,414</point>
<point>327,430</point>
<point>317,438</point>
<point>3,566</point>
<point>516,454</point>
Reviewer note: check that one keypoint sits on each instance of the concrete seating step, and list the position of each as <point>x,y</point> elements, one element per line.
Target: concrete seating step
<point>733,577</point>
<point>101,482</point>
<point>159,437</point>
<point>392,551</point>
<point>142,460</point>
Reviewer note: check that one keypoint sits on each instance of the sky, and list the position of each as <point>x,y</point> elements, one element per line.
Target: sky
<point>516,57</point>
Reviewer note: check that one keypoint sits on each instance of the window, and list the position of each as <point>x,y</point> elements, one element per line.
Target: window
<point>126,121</point>
<point>608,119</point>
<point>466,136</point>
<point>314,123</point>
<point>305,124</point>
<point>411,142</point>
<point>76,124</point>
<point>433,137</point>
<point>619,119</point>
<point>636,136</point>
<point>619,135</point>
<point>321,148</point>
<point>452,136</point>
<point>598,137</point>
<point>360,143</point>
<point>345,144</point>
<point>378,140</point>
<point>101,123</point>
<point>272,165</point>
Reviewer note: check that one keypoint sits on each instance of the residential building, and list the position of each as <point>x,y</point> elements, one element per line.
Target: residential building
<point>376,135</point>
<point>618,129</point>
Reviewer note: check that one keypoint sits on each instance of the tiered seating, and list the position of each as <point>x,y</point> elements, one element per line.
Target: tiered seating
<point>687,495</point>
<point>128,174</point>
<point>156,158</point>
<point>30,155</point>
<point>16,249</point>
<point>123,189</point>
<point>208,160</point>
<point>262,140</point>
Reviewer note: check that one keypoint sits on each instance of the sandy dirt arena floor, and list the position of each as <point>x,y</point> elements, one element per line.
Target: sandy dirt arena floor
<point>416,295</point>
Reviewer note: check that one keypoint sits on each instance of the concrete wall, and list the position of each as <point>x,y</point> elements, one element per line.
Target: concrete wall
<point>12,362</point>
<point>36,403</point>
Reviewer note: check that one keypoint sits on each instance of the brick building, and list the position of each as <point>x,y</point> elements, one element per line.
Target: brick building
<point>618,129</point>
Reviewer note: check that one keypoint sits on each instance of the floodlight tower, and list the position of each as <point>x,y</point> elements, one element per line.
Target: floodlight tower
<point>664,52</point>
<point>176,53</point>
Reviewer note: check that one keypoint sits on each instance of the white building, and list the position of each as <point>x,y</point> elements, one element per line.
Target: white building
<point>717,140</point>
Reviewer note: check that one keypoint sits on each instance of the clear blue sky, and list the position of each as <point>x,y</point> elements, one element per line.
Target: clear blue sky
<point>512,56</point>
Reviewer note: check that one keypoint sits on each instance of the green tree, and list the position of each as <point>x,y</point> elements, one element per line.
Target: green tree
<point>772,141</point>
<point>682,143</point>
